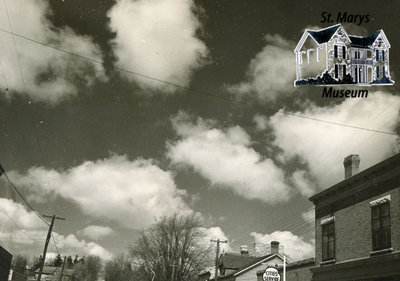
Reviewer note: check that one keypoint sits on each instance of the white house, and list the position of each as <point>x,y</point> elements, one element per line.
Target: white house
<point>331,50</point>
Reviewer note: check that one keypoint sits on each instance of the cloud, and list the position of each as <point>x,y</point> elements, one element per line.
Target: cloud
<point>81,247</point>
<point>96,231</point>
<point>261,122</point>
<point>225,157</point>
<point>157,38</point>
<point>22,231</point>
<point>49,75</point>
<point>309,216</point>
<point>216,233</point>
<point>271,72</point>
<point>323,146</point>
<point>131,193</point>
<point>303,183</point>
<point>294,246</point>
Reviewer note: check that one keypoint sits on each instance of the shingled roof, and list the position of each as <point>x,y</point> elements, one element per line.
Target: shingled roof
<point>237,261</point>
<point>323,35</point>
<point>363,42</point>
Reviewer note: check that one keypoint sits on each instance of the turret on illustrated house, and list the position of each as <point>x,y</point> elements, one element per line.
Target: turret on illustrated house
<point>331,56</point>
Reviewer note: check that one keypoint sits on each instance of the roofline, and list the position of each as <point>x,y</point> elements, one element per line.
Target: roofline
<point>326,27</point>
<point>259,262</point>
<point>356,177</point>
<point>303,40</point>
<point>381,32</point>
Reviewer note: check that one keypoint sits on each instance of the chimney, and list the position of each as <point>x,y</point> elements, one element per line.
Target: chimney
<point>274,247</point>
<point>351,165</point>
<point>244,251</point>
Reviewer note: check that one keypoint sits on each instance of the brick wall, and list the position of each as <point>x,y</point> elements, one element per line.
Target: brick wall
<point>353,229</point>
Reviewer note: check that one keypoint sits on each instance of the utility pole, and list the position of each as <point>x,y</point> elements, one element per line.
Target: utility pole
<point>217,255</point>
<point>53,218</point>
<point>62,269</point>
<point>173,272</point>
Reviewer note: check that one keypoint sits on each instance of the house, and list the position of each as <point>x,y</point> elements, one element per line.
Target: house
<point>52,273</point>
<point>240,267</point>
<point>357,224</point>
<point>5,263</point>
<point>341,57</point>
<point>295,271</point>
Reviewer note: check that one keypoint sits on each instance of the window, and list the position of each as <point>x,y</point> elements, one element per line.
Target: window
<point>335,51</point>
<point>344,70</point>
<point>383,55</point>
<point>377,55</point>
<point>381,238</point>
<point>328,241</point>
<point>377,72</point>
<point>344,51</point>
<point>336,71</point>
<point>383,72</point>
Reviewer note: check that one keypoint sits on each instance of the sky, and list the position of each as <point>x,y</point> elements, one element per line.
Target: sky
<point>114,114</point>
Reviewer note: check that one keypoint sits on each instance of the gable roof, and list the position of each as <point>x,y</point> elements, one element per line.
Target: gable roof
<point>237,261</point>
<point>323,35</point>
<point>241,264</point>
<point>363,42</point>
<point>261,260</point>
<point>319,36</point>
<point>48,270</point>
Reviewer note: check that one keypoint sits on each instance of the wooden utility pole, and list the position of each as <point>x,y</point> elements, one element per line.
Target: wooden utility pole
<point>217,255</point>
<point>62,269</point>
<point>53,218</point>
<point>173,272</point>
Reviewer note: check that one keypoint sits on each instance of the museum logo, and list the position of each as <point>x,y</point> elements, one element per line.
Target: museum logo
<point>331,56</point>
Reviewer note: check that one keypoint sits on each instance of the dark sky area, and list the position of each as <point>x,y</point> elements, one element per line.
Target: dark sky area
<point>118,116</point>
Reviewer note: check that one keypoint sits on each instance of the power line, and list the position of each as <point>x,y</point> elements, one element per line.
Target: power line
<point>339,124</point>
<point>21,196</point>
<point>15,45</point>
<point>16,224</point>
<point>181,86</point>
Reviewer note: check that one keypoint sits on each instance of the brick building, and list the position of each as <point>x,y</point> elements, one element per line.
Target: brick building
<point>357,224</point>
<point>5,263</point>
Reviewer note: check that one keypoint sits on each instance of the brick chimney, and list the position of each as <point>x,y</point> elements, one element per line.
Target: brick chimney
<point>351,165</point>
<point>244,251</point>
<point>274,247</point>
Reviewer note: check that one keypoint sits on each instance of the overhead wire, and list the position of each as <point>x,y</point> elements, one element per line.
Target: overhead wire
<point>121,69</point>
<point>154,79</point>
<point>24,200</point>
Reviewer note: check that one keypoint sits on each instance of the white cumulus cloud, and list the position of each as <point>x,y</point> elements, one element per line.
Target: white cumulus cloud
<point>132,193</point>
<point>96,231</point>
<point>323,146</point>
<point>271,72</point>
<point>49,75</point>
<point>226,158</point>
<point>21,231</point>
<point>294,246</point>
<point>215,233</point>
<point>157,38</point>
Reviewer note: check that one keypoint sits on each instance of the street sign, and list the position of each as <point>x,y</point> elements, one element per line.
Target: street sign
<point>271,274</point>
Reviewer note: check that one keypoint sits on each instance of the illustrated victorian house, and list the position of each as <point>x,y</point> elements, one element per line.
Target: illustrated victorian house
<point>327,55</point>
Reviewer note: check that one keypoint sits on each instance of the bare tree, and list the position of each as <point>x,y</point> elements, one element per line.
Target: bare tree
<point>89,270</point>
<point>18,264</point>
<point>119,268</point>
<point>173,249</point>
